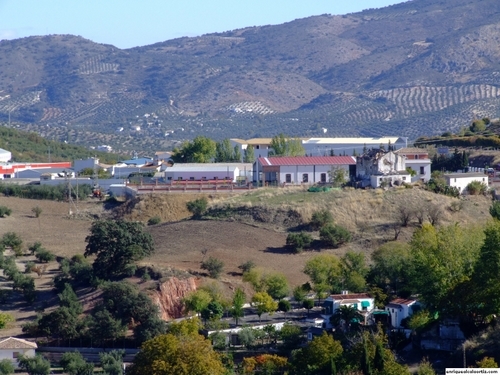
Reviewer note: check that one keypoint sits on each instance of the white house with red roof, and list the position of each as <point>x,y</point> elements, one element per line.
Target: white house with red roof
<point>399,309</point>
<point>294,170</point>
<point>363,302</point>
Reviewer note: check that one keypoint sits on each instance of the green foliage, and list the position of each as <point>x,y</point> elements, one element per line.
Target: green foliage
<point>264,303</point>
<point>225,153</point>
<point>411,171</point>
<point>476,188</point>
<point>353,271</point>
<point>298,241</point>
<point>487,362</point>
<point>5,319</point>
<point>477,126</point>
<point>337,176</point>
<point>246,337</point>
<point>237,307</point>
<point>197,207</point>
<point>249,154</point>
<point>495,210</point>
<point>36,365</point>
<point>291,336</point>
<point>154,220</point>
<point>5,211</point>
<point>282,145</point>
<point>420,320</point>
<point>197,301</point>
<point>317,356</point>
<point>44,256</point>
<point>199,150</point>
<point>6,367</point>
<point>276,285</point>
<point>73,363</point>
<point>247,266</point>
<point>103,327</point>
<point>324,270</point>
<point>308,304</point>
<point>214,267</point>
<point>14,241</point>
<point>213,311</point>
<point>57,193</point>
<point>334,235</point>
<point>37,211</point>
<point>425,368</point>
<point>112,362</point>
<point>117,245</point>
<point>321,218</point>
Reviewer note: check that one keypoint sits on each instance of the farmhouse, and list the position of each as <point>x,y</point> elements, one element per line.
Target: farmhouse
<point>362,302</point>
<point>461,180</point>
<point>378,168</point>
<point>261,146</point>
<point>301,169</point>
<point>12,348</point>
<point>418,160</point>
<point>400,309</point>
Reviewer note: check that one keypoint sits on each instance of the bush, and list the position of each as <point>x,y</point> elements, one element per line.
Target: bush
<point>334,235</point>
<point>37,211</point>
<point>13,240</point>
<point>247,266</point>
<point>5,211</point>
<point>320,218</point>
<point>154,220</point>
<point>197,207</point>
<point>214,267</point>
<point>476,188</point>
<point>44,256</point>
<point>298,241</point>
<point>495,210</point>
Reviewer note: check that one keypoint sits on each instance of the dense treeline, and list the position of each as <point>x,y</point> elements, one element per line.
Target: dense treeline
<point>30,147</point>
<point>57,193</point>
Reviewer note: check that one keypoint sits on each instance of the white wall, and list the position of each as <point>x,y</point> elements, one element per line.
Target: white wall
<point>377,179</point>
<point>81,164</point>
<point>416,164</point>
<point>461,182</point>
<point>173,175</point>
<point>5,156</point>
<point>9,354</point>
<point>313,173</point>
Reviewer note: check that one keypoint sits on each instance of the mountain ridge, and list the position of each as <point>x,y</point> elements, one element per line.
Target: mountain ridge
<point>416,68</point>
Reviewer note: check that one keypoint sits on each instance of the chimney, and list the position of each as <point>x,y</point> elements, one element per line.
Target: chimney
<point>345,292</point>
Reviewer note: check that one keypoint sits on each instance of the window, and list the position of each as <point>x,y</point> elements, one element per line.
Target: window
<point>305,177</point>
<point>404,178</point>
<point>422,170</point>
<point>288,178</point>
<point>257,147</point>
<point>323,177</point>
<point>204,178</point>
<point>15,354</point>
<point>169,178</point>
<point>179,178</point>
<point>191,178</point>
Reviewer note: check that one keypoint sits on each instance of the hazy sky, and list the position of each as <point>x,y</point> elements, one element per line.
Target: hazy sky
<point>130,23</point>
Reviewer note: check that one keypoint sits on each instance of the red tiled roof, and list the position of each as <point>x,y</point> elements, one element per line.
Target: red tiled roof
<point>350,296</point>
<point>307,160</point>
<point>402,301</point>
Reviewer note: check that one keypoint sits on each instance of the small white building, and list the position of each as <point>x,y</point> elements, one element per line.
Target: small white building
<point>5,156</point>
<point>301,169</point>
<point>234,172</point>
<point>363,302</point>
<point>12,348</point>
<point>400,309</point>
<point>81,164</point>
<point>418,160</point>
<point>350,146</point>
<point>461,180</point>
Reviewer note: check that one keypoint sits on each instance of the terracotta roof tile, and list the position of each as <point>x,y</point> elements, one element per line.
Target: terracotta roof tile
<point>15,343</point>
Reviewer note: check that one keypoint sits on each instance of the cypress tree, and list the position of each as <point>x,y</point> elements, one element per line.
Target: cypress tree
<point>379,360</point>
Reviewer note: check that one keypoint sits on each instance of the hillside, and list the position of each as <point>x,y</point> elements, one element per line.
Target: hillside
<point>417,68</point>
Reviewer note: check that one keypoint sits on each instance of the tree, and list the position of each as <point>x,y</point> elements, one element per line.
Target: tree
<point>223,151</point>
<point>199,150</point>
<point>321,218</point>
<point>236,154</point>
<point>299,293</point>
<point>14,241</point>
<point>264,303</point>
<point>247,266</point>
<point>487,362</point>
<point>5,319</point>
<point>324,271</point>
<point>36,365</point>
<point>495,210</point>
<point>284,146</point>
<point>346,315</point>
<point>308,304</point>
<point>298,241</point>
<point>238,302</point>
<point>103,327</point>
<point>291,336</point>
<point>44,256</point>
<point>213,311</point>
<point>334,235</point>
<point>5,211</point>
<point>197,207</point>
<point>112,362</point>
<point>73,363</point>
<point>284,305</point>
<point>249,155</point>
<point>197,301</point>
<point>276,285</point>
<point>390,266</point>
<point>214,267</point>
<point>246,336</point>
<point>379,360</point>
<point>337,176</point>
<point>167,354</point>
<point>6,367</point>
<point>317,356</point>
<point>425,368</point>
<point>117,245</point>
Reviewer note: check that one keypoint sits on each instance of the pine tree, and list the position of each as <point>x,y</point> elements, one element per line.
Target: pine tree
<point>249,156</point>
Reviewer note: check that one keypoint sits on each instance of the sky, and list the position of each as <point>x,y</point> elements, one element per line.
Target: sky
<point>132,23</point>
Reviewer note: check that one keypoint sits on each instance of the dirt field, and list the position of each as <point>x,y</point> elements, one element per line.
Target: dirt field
<point>180,244</point>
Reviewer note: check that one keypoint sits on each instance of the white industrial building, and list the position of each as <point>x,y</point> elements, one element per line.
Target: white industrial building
<point>5,156</point>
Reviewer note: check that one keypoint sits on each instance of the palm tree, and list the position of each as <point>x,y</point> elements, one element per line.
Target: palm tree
<point>347,314</point>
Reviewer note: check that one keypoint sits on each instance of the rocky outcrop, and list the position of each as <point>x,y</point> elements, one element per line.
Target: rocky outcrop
<point>168,297</point>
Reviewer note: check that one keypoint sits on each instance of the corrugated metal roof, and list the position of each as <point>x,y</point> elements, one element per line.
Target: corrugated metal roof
<point>368,141</point>
<point>308,160</point>
<point>182,168</point>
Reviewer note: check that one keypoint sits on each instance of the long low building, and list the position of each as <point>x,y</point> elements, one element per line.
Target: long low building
<point>302,169</point>
<point>234,172</point>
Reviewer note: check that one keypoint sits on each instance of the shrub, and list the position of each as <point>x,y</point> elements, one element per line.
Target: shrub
<point>476,188</point>
<point>320,218</point>
<point>247,266</point>
<point>495,210</point>
<point>334,235</point>
<point>14,241</point>
<point>214,267</point>
<point>5,211</point>
<point>154,220</point>
<point>37,211</point>
<point>44,256</point>
<point>197,207</point>
<point>298,241</point>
